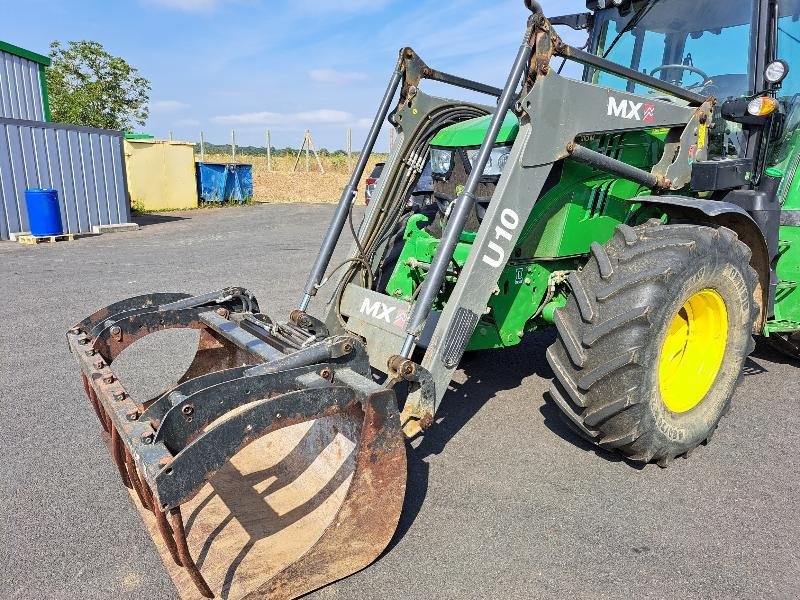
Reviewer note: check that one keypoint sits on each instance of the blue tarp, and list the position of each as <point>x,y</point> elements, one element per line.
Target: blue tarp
<point>224,182</point>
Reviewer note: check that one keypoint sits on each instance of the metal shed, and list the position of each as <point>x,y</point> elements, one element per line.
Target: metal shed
<point>23,87</point>
<point>85,165</point>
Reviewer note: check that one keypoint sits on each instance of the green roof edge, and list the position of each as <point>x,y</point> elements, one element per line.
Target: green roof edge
<point>22,53</point>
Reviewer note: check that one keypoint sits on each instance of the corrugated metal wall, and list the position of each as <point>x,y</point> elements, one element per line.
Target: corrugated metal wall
<point>85,165</point>
<point>20,88</point>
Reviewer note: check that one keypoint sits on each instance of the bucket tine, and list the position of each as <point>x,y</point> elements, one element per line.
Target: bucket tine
<point>133,476</point>
<point>163,526</point>
<point>119,458</point>
<point>95,402</point>
<point>183,551</point>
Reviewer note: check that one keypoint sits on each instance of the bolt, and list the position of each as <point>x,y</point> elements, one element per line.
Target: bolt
<point>91,352</point>
<point>116,332</point>
<point>83,341</point>
<point>108,379</point>
<point>132,415</point>
<point>147,438</point>
<point>347,348</point>
<point>99,364</point>
<point>326,374</point>
<point>75,331</point>
<point>120,396</point>
<point>408,369</point>
<point>545,69</point>
<point>223,312</point>
<point>527,281</point>
<point>187,410</point>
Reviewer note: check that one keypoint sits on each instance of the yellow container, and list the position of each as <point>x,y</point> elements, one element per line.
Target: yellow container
<point>161,174</point>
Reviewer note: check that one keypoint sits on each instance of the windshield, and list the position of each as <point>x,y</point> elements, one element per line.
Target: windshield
<point>702,45</point>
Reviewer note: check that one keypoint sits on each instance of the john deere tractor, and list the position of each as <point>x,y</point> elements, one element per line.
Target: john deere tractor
<point>649,211</point>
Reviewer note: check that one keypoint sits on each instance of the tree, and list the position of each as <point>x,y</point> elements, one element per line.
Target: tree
<point>90,87</point>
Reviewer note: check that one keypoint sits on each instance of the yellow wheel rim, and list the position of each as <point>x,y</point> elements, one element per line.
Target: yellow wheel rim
<point>693,351</point>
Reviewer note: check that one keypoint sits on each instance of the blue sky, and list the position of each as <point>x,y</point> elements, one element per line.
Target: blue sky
<point>283,65</point>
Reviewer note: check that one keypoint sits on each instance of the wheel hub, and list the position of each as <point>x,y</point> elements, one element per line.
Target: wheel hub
<point>693,351</point>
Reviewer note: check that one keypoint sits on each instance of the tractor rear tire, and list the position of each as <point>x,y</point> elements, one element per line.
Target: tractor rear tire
<point>653,341</point>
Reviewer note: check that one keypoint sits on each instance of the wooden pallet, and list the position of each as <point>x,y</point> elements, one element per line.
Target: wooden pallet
<point>49,239</point>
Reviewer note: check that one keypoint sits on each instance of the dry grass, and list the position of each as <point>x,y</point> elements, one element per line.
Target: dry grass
<point>282,186</point>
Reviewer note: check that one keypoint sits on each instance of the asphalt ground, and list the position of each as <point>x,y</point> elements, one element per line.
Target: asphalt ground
<point>503,501</point>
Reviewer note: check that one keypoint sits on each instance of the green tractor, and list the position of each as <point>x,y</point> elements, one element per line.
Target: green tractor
<point>655,290</point>
<point>649,211</point>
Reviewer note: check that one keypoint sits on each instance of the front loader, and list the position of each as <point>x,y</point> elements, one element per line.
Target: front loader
<point>650,219</point>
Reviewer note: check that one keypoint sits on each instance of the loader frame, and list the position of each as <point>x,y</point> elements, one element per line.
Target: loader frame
<point>393,327</point>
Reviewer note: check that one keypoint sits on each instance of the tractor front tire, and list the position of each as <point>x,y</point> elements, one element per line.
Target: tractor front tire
<point>653,341</point>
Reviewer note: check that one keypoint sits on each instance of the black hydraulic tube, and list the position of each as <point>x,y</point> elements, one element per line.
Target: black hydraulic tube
<point>465,202</point>
<point>615,167</point>
<point>348,195</point>
<point>587,58</point>
<point>457,81</point>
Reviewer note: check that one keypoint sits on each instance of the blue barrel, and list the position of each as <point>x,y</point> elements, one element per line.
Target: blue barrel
<point>44,212</point>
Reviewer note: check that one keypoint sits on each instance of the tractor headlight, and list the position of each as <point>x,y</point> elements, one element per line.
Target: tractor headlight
<point>441,161</point>
<point>497,160</point>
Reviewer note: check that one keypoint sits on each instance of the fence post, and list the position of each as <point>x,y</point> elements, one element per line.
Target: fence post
<point>308,149</point>
<point>316,155</point>
<point>269,152</point>
<point>233,145</point>
<point>170,135</point>
<point>202,147</point>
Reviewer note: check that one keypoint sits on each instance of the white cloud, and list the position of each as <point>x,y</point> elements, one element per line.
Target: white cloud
<point>187,5</point>
<point>364,123</point>
<point>313,117</point>
<point>186,123</point>
<point>332,76</point>
<point>341,6</point>
<point>166,106</point>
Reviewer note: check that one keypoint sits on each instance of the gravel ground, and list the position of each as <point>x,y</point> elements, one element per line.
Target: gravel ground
<point>503,500</point>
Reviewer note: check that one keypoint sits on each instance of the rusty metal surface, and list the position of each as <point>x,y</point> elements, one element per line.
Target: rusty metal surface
<point>168,450</point>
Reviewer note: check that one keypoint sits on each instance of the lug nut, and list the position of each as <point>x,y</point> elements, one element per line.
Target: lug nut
<point>326,374</point>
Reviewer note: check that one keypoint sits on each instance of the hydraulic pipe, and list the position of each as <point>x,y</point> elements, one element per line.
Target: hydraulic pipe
<point>615,167</point>
<point>465,202</point>
<point>348,195</point>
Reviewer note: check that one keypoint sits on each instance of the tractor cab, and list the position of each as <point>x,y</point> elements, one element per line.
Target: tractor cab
<point>715,49</point>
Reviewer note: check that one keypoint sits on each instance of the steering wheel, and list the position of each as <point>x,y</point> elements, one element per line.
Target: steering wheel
<point>689,68</point>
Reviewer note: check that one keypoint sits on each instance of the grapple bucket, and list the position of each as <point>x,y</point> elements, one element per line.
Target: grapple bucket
<point>273,467</point>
